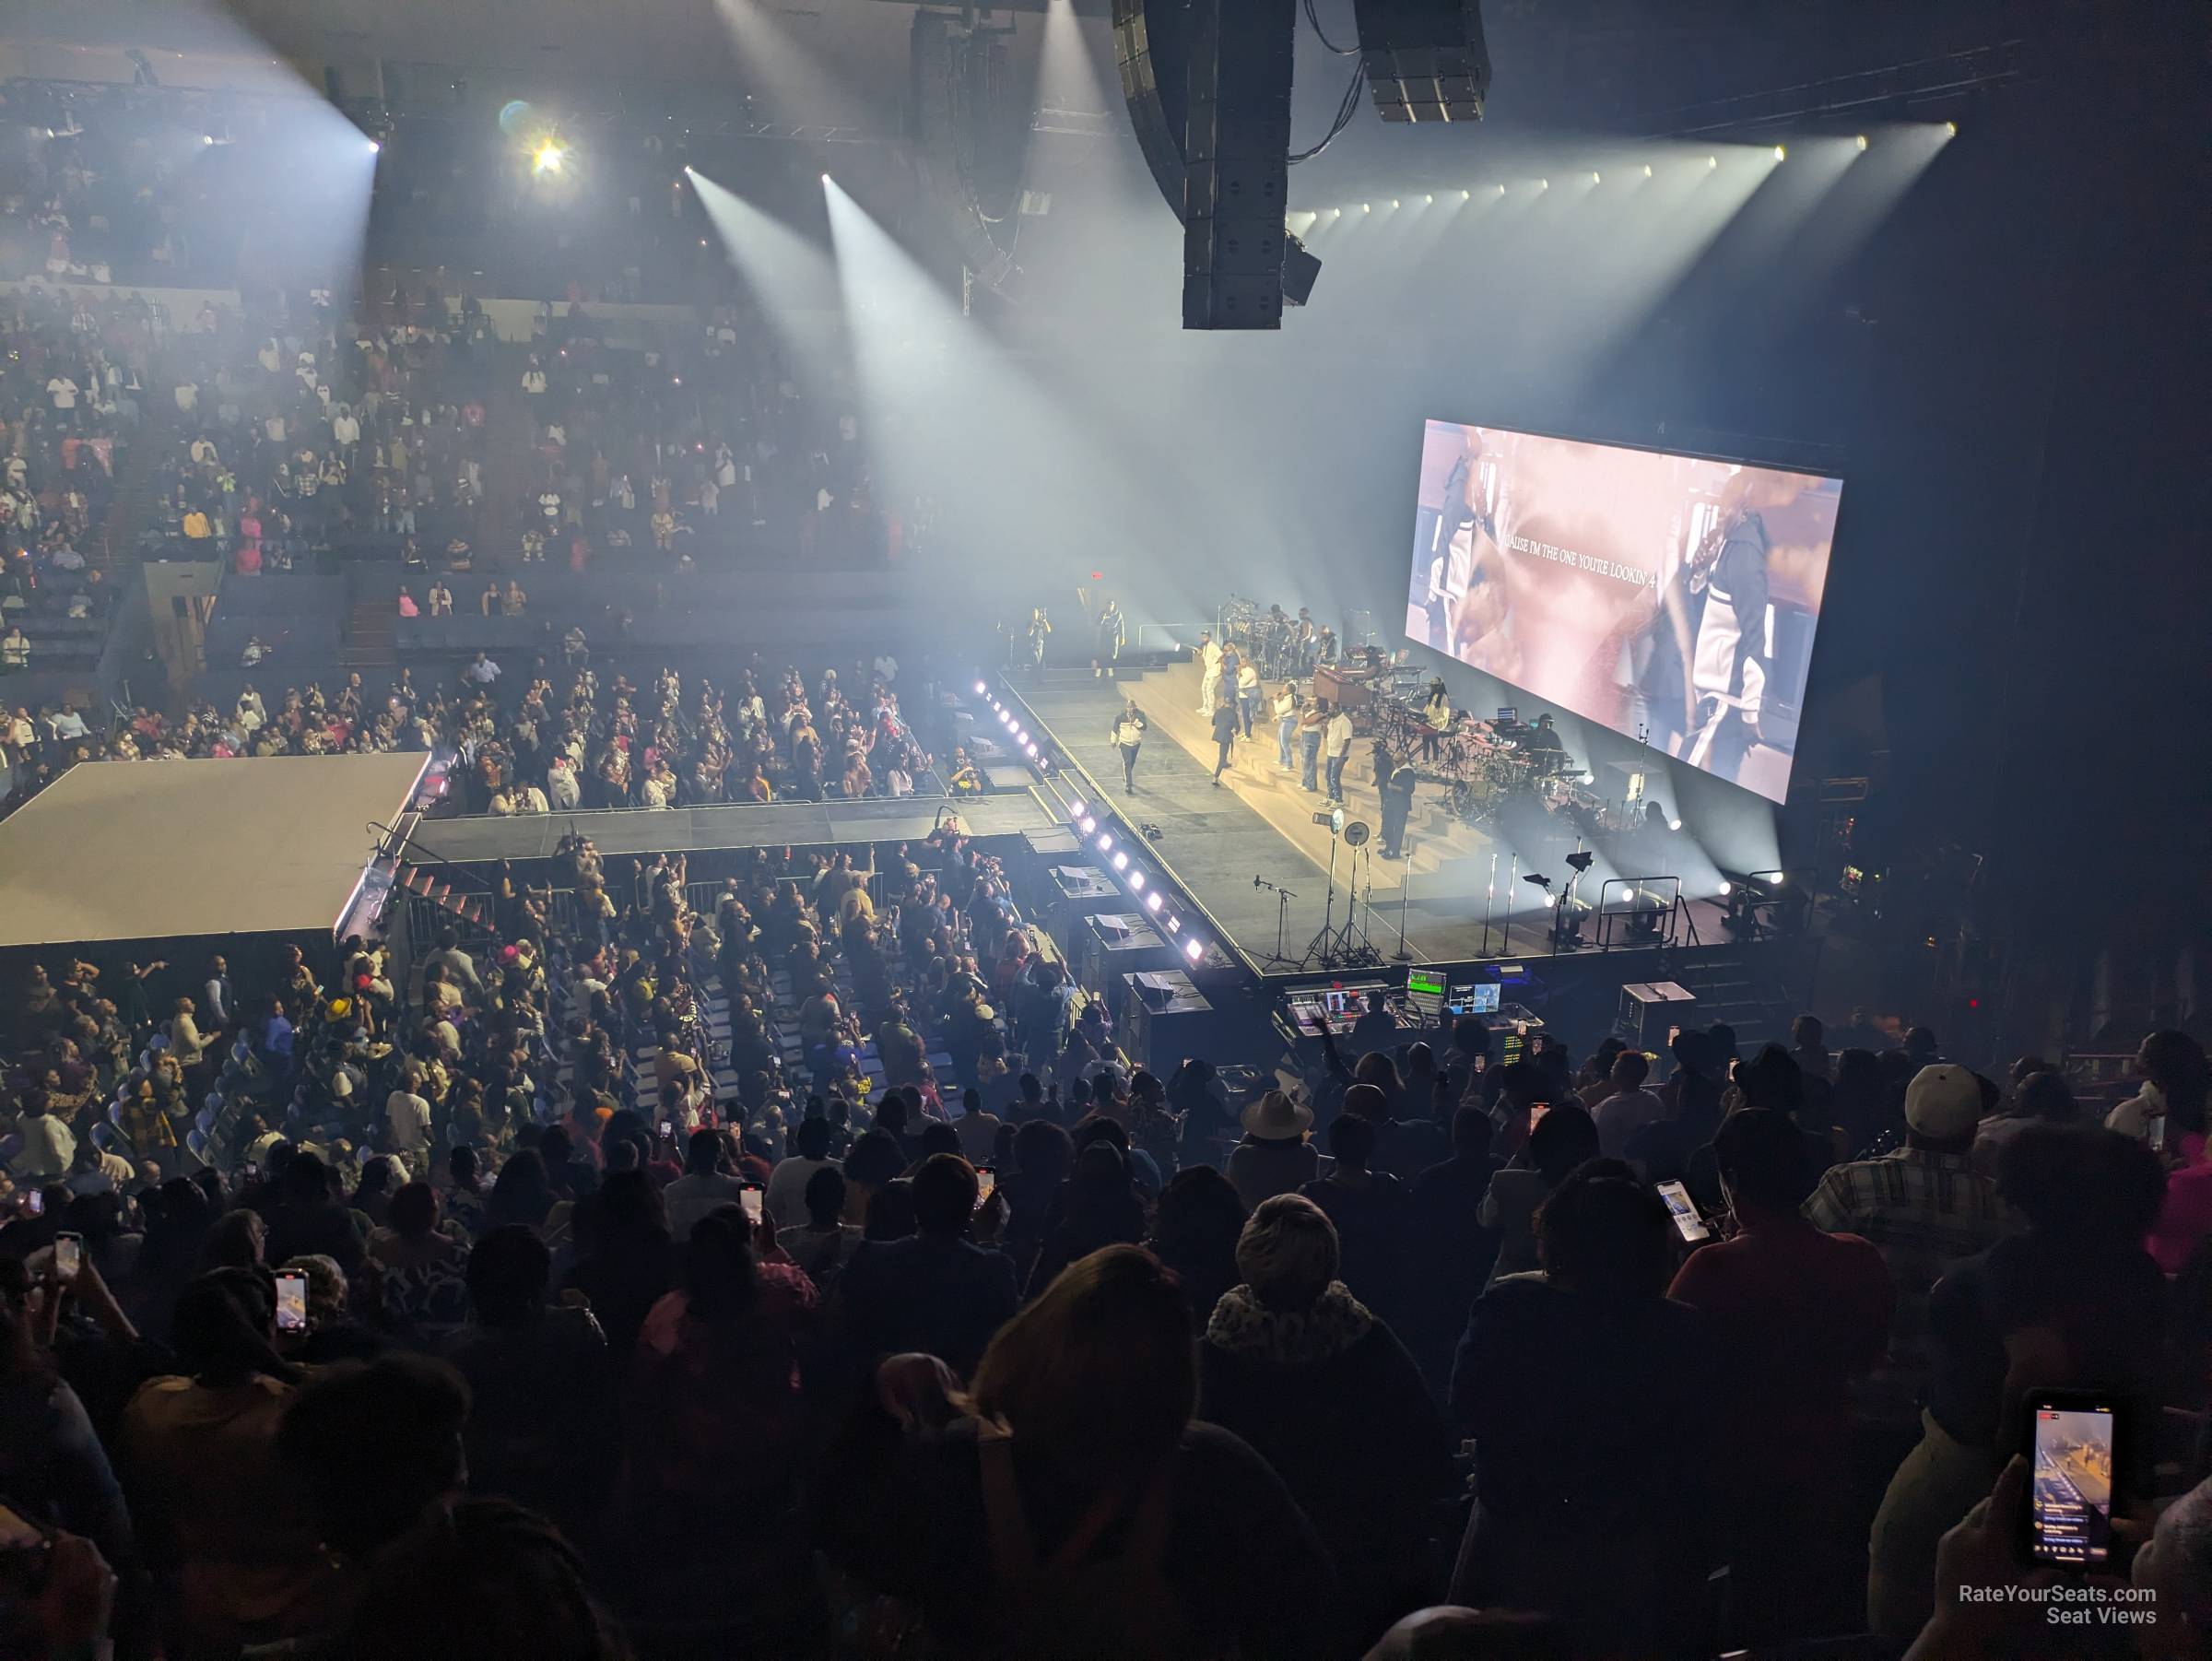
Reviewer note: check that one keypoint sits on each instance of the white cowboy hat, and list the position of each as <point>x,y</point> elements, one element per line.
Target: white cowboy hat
<point>1275,1118</point>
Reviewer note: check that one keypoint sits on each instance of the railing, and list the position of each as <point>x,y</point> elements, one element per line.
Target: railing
<point>1675,914</point>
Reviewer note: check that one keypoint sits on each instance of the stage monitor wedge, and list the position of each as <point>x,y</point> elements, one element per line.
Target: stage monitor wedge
<point>1426,59</point>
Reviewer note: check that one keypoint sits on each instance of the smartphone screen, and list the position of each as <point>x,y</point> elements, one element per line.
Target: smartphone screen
<point>34,1202</point>
<point>1536,1115</point>
<point>291,1303</point>
<point>1684,1210</point>
<point>2155,1126</point>
<point>68,1255</point>
<point>750,1200</point>
<point>2070,1514</point>
<point>986,1179</point>
<point>667,1129</point>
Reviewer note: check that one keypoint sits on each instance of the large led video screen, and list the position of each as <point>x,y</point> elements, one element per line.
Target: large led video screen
<point>1671,599</point>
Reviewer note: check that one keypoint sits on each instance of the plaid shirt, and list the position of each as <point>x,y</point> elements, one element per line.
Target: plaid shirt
<point>1923,1211</point>
<point>146,1125</point>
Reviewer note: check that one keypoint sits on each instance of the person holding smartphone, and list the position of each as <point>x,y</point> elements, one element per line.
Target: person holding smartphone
<point>1797,1315</point>
<point>2075,1301</point>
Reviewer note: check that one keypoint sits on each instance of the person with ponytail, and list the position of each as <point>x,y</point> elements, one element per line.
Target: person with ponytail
<point>231,1541</point>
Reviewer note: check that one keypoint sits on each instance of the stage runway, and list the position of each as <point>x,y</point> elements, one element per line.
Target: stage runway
<point>1259,823</point>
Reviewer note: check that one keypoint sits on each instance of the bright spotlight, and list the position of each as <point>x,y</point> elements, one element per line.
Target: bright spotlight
<point>1543,185</point>
<point>1367,207</point>
<point>1393,201</point>
<point>1781,153</point>
<point>1194,950</point>
<point>1076,808</point>
<point>825,178</point>
<point>1089,824</point>
<point>1647,170</point>
<point>1862,141</point>
<point>981,688</point>
<point>1121,862</point>
<point>1596,178</point>
<point>1152,900</point>
<point>1105,842</point>
<point>1029,749</point>
<point>547,158</point>
<point>1589,778</point>
<point>1727,887</point>
<point>1951,128</point>
<point>375,145</point>
<point>1428,201</point>
<point>206,138</point>
<point>1674,824</point>
<point>1713,161</point>
<point>1466,196</point>
<point>1136,881</point>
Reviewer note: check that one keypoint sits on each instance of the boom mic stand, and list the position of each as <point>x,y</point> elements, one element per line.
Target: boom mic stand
<point>1283,897</point>
<point>1319,951</point>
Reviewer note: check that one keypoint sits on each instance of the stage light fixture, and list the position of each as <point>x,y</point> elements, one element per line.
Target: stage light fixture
<point>1428,201</point>
<point>1367,207</point>
<point>1393,201</point>
<point>206,138</point>
<point>375,145</point>
<point>1713,161</point>
<point>1193,948</point>
<point>1136,881</point>
<point>825,178</point>
<point>1543,185</point>
<point>1862,141</point>
<point>1727,887</point>
<point>1951,128</point>
<point>1029,749</point>
<point>1175,923</point>
<point>1152,900</point>
<point>547,158</point>
<point>1121,862</point>
<point>1781,153</point>
<point>1087,824</point>
<point>1647,170</point>
<point>1105,842</point>
<point>981,689</point>
<point>1466,196</point>
<point>1075,809</point>
<point>1589,778</point>
<point>1674,824</point>
<point>1596,178</point>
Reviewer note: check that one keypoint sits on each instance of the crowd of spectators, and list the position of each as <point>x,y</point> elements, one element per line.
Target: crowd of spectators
<point>816,1226</point>
<point>594,743</point>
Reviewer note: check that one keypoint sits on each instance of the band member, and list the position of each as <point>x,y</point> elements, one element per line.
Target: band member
<point>1541,742</point>
<point>1040,630</point>
<point>1209,672</point>
<point>1225,735</point>
<point>1111,636</point>
<point>1395,780</point>
<point>1437,712</point>
<point>1129,736</point>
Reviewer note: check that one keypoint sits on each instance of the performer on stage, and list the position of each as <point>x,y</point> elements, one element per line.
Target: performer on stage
<point>1284,708</point>
<point>1395,780</point>
<point>1437,712</point>
<point>1312,726</point>
<point>1129,736</point>
<point>1337,744</point>
<point>1209,672</point>
<point>1040,630</point>
<point>1111,636</point>
<point>1703,679</point>
<point>1225,734</point>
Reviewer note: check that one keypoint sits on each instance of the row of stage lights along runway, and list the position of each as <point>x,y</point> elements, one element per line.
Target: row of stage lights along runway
<point>1096,825</point>
<point>1593,178</point>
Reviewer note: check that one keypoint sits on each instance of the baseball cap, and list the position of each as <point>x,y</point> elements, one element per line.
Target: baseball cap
<point>1943,1102</point>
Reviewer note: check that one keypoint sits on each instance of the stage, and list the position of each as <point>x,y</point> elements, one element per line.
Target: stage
<point>1259,823</point>
<point>167,849</point>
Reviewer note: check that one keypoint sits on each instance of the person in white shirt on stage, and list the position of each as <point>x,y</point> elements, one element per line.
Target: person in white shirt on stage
<point>1209,683</point>
<point>1336,748</point>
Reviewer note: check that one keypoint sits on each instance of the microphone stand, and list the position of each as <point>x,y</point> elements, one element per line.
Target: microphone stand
<point>1283,897</point>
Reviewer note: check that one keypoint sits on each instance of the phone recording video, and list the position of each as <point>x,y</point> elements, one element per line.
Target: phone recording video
<point>986,1179</point>
<point>749,1197</point>
<point>68,1255</point>
<point>34,1202</point>
<point>1536,1115</point>
<point>1684,1210</point>
<point>2073,1441</point>
<point>291,1301</point>
<point>667,1129</point>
